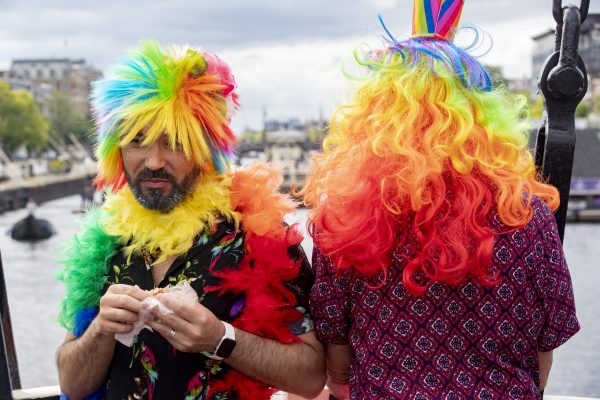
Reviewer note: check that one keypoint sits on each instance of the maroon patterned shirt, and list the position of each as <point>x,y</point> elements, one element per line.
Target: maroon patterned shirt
<point>464,342</point>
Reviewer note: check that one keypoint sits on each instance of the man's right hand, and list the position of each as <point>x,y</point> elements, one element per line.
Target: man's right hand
<point>119,308</point>
<point>83,361</point>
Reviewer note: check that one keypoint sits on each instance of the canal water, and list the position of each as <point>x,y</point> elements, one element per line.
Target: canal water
<point>34,294</point>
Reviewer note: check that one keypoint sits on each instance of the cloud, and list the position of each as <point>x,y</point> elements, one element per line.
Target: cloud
<point>303,80</point>
<point>286,55</point>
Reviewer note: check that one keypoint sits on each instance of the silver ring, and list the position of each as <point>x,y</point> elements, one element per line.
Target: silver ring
<point>172,334</point>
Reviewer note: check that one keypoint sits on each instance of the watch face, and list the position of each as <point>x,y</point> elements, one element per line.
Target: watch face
<point>226,347</point>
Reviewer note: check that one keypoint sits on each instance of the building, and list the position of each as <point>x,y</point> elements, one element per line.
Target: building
<point>589,49</point>
<point>584,197</point>
<point>43,77</point>
<point>543,46</point>
<point>584,193</point>
<point>290,151</point>
<point>288,146</point>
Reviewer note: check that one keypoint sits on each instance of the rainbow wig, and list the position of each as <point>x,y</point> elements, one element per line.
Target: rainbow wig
<point>427,157</point>
<point>183,93</point>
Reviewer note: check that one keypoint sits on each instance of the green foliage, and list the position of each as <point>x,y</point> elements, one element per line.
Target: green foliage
<point>316,135</point>
<point>596,107</point>
<point>582,110</point>
<point>58,166</point>
<point>21,122</point>
<point>64,120</point>
<point>496,75</point>
<point>251,136</point>
<point>536,107</point>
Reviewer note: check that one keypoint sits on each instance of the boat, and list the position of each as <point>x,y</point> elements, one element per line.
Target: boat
<point>31,228</point>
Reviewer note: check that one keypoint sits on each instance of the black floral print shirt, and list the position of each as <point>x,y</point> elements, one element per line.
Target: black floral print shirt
<point>152,368</point>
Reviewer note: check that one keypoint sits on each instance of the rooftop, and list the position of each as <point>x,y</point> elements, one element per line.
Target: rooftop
<point>588,25</point>
<point>47,60</point>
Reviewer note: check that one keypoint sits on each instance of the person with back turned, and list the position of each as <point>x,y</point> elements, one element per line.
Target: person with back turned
<point>439,269</point>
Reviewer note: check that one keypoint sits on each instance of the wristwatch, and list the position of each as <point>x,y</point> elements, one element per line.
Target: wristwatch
<point>225,345</point>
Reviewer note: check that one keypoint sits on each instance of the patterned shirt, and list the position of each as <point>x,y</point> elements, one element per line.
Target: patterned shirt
<point>463,342</point>
<point>152,368</point>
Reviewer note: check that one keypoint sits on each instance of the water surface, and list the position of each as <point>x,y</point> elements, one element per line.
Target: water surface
<point>34,294</point>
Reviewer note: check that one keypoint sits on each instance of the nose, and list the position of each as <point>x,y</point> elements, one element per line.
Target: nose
<point>155,156</point>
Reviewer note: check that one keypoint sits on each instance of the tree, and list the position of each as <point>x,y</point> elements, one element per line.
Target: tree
<point>21,121</point>
<point>316,135</point>
<point>496,75</point>
<point>536,107</point>
<point>251,136</point>
<point>582,110</point>
<point>596,104</point>
<point>64,120</point>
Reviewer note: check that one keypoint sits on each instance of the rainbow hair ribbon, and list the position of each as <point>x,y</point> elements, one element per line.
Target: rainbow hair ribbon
<point>436,18</point>
<point>426,159</point>
<point>434,25</point>
<point>183,93</point>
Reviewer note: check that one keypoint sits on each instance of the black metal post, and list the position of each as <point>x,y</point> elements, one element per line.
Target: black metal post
<point>9,369</point>
<point>563,84</point>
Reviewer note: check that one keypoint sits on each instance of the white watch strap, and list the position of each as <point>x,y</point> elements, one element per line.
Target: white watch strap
<point>229,334</point>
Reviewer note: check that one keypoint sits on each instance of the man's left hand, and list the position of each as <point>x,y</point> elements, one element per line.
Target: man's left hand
<point>191,328</point>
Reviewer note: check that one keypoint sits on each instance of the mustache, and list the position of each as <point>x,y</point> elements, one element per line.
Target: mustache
<point>154,174</point>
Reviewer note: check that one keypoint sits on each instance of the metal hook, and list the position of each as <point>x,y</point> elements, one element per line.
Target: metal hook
<point>566,79</point>
<point>557,10</point>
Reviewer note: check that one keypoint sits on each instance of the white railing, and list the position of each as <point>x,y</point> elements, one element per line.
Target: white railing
<point>44,392</point>
<point>47,392</point>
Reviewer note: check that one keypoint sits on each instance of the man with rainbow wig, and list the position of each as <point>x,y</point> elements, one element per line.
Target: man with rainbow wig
<point>185,283</point>
<point>439,269</point>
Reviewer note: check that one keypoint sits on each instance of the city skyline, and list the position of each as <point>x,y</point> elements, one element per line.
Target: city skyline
<point>287,57</point>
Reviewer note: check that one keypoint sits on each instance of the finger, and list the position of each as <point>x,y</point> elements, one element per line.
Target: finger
<point>134,291</point>
<point>164,330</point>
<point>173,303</point>
<point>155,325</point>
<point>139,293</point>
<point>123,301</point>
<point>170,319</point>
<point>118,315</point>
<point>110,327</point>
<point>183,310</point>
<point>155,317</point>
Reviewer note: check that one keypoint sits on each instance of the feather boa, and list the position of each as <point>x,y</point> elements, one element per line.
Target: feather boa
<point>248,198</point>
<point>262,273</point>
<point>167,233</point>
<point>85,261</point>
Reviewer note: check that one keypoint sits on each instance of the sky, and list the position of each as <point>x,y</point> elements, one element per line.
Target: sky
<point>286,55</point>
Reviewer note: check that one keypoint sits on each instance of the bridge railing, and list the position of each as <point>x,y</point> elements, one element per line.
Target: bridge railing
<point>563,83</point>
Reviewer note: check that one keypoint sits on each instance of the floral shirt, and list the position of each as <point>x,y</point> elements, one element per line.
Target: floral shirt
<point>152,368</point>
<point>463,342</point>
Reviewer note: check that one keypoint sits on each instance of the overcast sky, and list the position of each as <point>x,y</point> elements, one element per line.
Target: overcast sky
<point>285,54</point>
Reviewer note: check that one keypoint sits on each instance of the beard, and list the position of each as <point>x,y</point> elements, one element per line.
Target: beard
<point>155,198</point>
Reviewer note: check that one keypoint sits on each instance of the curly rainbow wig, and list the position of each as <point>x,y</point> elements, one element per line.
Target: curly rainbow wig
<point>185,94</point>
<point>428,154</point>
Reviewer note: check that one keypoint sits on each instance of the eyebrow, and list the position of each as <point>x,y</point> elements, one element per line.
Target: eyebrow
<point>139,137</point>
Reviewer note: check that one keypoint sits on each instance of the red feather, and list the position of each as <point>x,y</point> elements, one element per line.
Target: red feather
<point>269,305</point>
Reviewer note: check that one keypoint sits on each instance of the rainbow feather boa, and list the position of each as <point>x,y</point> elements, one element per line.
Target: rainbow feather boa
<point>170,233</point>
<point>249,198</point>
